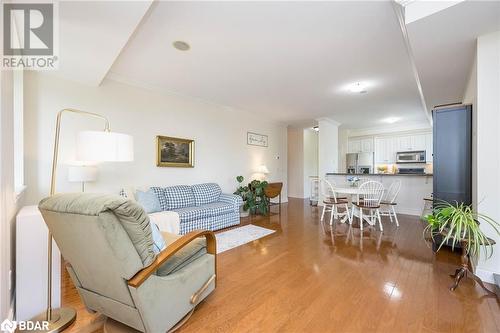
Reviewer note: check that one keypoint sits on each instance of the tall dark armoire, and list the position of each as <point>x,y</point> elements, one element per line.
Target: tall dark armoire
<point>452,168</point>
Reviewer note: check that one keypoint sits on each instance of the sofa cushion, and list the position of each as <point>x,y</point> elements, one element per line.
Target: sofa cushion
<point>195,213</point>
<point>148,200</point>
<point>174,197</point>
<point>206,193</point>
<point>184,256</point>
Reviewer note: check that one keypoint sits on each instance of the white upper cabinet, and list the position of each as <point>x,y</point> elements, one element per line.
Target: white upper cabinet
<point>367,145</point>
<point>354,146</point>
<point>418,142</point>
<point>403,143</point>
<point>385,150</point>
<point>386,147</point>
<point>364,145</point>
<point>411,142</point>
<point>428,147</point>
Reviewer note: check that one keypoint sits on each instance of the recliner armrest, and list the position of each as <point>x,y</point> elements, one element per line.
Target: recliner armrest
<point>167,253</point>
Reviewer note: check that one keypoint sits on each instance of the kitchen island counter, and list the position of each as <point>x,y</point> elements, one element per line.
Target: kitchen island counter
<point>379,174</point>
<point>414,188</point>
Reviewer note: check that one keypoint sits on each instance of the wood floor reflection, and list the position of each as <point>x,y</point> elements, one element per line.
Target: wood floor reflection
<point>313,277</point>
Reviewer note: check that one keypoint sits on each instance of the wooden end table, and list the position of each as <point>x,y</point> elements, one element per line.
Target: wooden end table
<point>464,272</point>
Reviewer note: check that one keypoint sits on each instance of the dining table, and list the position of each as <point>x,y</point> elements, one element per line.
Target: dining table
<point>354,193</point>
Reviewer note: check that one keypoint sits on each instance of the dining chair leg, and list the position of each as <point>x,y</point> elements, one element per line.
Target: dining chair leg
<point>379,220</point>
<point>390,216</point>
<point>349,217</point>
<point>323,213</point>
<point>395,215</point>
<point>361,218</point>
<point>332,214</point>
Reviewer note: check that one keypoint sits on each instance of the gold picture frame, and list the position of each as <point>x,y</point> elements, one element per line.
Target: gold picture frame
<point>174,152</point>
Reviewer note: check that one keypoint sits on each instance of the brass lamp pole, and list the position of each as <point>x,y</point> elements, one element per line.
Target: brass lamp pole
<point>59,319</point>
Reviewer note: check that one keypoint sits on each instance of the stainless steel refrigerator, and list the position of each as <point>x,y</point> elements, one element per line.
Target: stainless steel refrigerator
<point>359,163</point>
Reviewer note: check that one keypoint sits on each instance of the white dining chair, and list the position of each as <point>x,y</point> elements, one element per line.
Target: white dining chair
<point>388,203</point>
<point>369,206</point>
<point>331,203</point>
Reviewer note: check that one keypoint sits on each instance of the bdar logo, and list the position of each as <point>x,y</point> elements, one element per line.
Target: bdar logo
<point>8,326</point>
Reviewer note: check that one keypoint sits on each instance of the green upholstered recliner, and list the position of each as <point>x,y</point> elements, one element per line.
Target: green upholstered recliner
<point>108,244</point>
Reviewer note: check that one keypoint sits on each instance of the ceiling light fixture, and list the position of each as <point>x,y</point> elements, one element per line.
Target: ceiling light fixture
<point>358,87</point>
<point>391,120</point>
<point>181,45</point>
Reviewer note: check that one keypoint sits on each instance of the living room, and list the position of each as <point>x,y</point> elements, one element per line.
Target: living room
<point>193,163</point>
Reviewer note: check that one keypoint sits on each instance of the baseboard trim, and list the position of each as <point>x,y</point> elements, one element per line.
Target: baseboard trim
<point>486,275</point>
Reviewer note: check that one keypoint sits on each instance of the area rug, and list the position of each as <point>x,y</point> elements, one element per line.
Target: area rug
<point>230,239</point>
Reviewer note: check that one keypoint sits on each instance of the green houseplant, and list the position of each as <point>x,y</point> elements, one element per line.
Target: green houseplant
<point>459,224</point>
<point>254,198</point>
<point>257,202</point>
<point>243,192</point>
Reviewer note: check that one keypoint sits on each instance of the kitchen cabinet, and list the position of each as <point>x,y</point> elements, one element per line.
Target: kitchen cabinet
<point>364,145</point>
<point>354,146</point>
<point>428,147</point>
<point>385,151</point>
<point>411,142</point>
<point>367,145</point>
<point>386,147</point>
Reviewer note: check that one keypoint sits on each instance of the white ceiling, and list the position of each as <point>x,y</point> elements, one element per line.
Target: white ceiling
<point>92,35</point>
<point>286,61</point>
<point>444,46</point>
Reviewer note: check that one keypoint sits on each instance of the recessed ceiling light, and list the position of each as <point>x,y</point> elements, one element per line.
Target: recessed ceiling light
<point>391,120</point>
<point>181,45</point>
<point>358,87</point>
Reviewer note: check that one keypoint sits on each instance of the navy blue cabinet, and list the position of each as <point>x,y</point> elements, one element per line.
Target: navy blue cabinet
<point>452,159</point>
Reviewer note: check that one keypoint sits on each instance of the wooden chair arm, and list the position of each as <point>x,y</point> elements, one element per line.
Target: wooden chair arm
<point>166,254</point>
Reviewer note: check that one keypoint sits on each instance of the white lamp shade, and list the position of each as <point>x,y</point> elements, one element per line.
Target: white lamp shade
<point>82,173</point>
<point>263,169</point>
<point>102,146</point>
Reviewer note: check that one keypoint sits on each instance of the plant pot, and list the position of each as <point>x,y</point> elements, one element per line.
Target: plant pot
<point>438,239</point>
<point>244,213</point>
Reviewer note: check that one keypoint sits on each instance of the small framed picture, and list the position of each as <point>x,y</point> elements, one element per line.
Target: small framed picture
<point>255,139</point>
<point>174,152</point>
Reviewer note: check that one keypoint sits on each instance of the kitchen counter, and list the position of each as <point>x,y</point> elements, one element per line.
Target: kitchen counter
<point>414,188</point>
<point>378,174</point>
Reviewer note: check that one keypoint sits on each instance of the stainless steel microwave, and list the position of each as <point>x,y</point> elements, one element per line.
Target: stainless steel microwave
<point>410,156</point>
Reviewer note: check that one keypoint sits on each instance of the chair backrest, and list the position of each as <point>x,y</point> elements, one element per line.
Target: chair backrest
<point>393,191</point>
<point>372,192</point>
<point>105,238</point>
<point>327,190</point>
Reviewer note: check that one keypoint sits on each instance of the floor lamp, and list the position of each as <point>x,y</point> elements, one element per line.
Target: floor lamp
<point>92,146</point>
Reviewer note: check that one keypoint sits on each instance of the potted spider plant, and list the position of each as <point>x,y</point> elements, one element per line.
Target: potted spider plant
<point>458,225</point>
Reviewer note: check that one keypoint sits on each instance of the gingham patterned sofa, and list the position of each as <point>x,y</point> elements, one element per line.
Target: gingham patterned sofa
<point>201,206</point>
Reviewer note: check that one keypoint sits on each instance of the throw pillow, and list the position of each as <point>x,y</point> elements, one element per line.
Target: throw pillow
<point>148,200</point>
<point>159,241</point>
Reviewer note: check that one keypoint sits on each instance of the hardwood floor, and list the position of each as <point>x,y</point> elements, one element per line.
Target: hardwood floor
<point>308,277</point>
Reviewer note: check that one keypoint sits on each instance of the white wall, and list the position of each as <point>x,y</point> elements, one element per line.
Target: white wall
<point>488,148</point>
<point>343,148</point>
<point>328,147</point>
<point>9,203</point>
<point>470,97</point>
<point>295,162</point>
<point>310,159</point>
<point>221,152</point>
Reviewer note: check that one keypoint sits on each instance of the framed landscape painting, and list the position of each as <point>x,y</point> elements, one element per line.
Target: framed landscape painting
<point>174,152</point>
